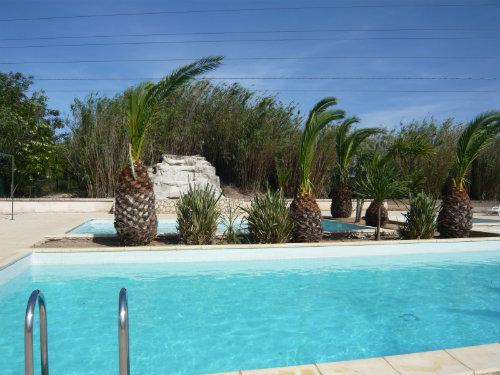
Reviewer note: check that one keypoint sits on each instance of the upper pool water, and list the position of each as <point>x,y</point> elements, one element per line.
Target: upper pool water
<point>167,226</point>
<point>485,221</point>
<point>200,318</point>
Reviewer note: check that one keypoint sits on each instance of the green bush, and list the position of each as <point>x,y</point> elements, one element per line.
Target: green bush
<point>230,235</point>
<point>197,215</point>
<point>421,218</point>
<point>268,218</point>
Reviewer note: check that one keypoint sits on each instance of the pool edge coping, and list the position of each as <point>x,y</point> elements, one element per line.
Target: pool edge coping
<point>446,361</point>
<point>177,247</point>
<point>22,253</point>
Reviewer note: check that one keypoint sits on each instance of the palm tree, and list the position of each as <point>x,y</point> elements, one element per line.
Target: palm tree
<point>405,151</point>
<point>378,180</point>
<point>135,214</point>
<point>347,145</point>
<point>455,216</point>
<point>304,208</point>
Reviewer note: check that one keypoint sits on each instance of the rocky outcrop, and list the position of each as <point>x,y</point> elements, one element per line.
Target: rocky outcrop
<point>174,174</point>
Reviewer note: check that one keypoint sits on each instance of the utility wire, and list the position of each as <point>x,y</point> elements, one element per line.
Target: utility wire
<point>239,10</point>
<point>251,32</point>
<point>248,40</point>
<point>250,59</point>
<point>305,90</point>
<point>283,78</point>
<point>407,91</point>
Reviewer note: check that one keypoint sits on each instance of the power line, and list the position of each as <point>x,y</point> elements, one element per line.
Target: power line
<point>250,59</point>
<point>237,10</point>
<point>252,32</point>
<point>282,78</point>
<point>249,40</point>
<point>406,91</point>
<point>305,90</point>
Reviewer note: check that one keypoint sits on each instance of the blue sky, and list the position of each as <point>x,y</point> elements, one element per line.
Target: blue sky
<point>342,29</point>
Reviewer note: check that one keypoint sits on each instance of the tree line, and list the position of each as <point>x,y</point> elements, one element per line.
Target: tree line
<point>251,139</point>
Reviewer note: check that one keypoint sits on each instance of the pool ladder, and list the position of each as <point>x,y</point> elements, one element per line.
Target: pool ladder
<point>37,296</point>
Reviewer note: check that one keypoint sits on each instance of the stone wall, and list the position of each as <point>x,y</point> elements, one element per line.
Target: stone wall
<point>167,206</point>
<point>173,175</point>
<point>40,205</point>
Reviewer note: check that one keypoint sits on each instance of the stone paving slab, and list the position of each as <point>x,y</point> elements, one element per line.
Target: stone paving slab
<point>27,229</point>
<point>292,370</point>
<point>372,366</point>
<point>472,360</point>
<point>436,362</point>
<point>483,359</point>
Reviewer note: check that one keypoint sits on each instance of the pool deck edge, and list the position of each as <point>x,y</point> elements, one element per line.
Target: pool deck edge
<point>248,246</point>
<point>479,359</point>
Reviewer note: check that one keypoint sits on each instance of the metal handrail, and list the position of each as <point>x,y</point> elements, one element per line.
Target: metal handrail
<point>123,347</point>
<point>36,296</point>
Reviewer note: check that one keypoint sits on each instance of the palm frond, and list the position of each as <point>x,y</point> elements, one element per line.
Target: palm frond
<point>475,138</point>
<point>347,145</point>
<point>143,99</point>
<point>341,137</point>
<point>378,180</point>
<point>321,106</point>
<point>183,75</point>
<point>318,119</point>
<point>137,115</point>
<point>359,136</point>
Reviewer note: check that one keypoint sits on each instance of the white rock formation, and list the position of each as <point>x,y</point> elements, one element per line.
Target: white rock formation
<point>172,176</point>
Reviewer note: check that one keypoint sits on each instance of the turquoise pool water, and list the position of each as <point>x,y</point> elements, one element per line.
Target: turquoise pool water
<point>485,221</point>
<point>105,226</point>
<point>199,318</point>
<point>168,226</point>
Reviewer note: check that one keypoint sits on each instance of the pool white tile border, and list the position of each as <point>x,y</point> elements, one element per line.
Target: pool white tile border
<point>10,271</point>
<point>48,257</point>
<point>211,253</point>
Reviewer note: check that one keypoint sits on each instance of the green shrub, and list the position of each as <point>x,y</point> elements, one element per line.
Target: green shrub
<point>197,215</point>
<point>268,218</point>
<point>421,218</point>
<point>230,235</point>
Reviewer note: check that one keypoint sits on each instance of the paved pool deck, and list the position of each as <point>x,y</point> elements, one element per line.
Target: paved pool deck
<point>28,229</point>
<point>481,359</point>
<point>18,235</point>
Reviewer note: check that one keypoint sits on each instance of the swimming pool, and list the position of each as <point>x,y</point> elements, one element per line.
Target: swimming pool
<point>169,226</point>
<point>319,305</point>
<point>485,221</point>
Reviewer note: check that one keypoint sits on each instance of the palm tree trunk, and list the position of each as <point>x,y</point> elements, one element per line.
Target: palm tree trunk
<point>306,216</point>
<point>359,209</point>
<point>378,224</point>
<point>475,185</point>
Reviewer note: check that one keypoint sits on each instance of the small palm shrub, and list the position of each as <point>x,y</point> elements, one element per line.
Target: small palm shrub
<point>197,215</point>
<point>268,218</point>
<point>379,180</point>
<point>421,218</point>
